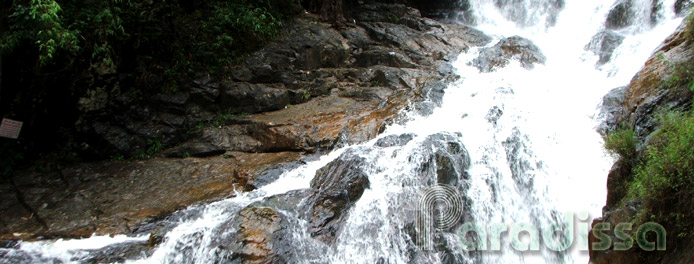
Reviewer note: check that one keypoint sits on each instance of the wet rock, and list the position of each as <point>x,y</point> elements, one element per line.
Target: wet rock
<point>604,44</point>
<point>525,13</point>
<point>264,231</point>
<point>517,155</point>
<point>682,6</point>
<point>434,92</point>
<point>395,140</point>
<point>447,162</point>
<point>159,234</point>
<point>621,15</point>
<point>257,230</point>
<point>471,35</point>
<point>516,48</point>
<point>612,109</point>
<point>272,173</point>
<point>118,253</point>
<point>339,185</point>
<point>494,114</point>
<point>626,13</point>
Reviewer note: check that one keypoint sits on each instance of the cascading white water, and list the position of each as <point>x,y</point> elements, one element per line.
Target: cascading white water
<point>539,157</point>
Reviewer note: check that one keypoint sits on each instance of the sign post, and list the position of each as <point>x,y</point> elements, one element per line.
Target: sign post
<point>10,128</point>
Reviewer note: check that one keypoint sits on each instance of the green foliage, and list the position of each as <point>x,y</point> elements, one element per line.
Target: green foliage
<point>118,157</point>
<point>222,119</point>
<point>305,95</point>
<point>622,142</point>
<point>392,18</point>
<point>153,147</point>
<point>375,82</point>
<point>682,74</point>
<point>234,27</point>
<point>664,177</point>
<point>172,40</point>
<point>38,22</point>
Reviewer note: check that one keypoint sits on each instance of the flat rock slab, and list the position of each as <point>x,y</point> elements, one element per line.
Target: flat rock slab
<point>118,196</point>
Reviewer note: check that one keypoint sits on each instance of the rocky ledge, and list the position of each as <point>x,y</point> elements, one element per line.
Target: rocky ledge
<point>313,89</point>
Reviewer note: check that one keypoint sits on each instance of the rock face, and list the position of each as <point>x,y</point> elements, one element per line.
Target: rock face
<point>325,206</point>
<point>307,90</point>
<point>451,158</point>
<point>516,48</point>
<point>649,90</point>
<point>621,15</point>
<point>625,13</point>
<point>264,231</point>
<point>636,106</point>
<point>443,8</point>
<point>313,88</point>
<point>310,90</point>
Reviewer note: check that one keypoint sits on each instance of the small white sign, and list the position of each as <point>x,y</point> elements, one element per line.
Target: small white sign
<point>10,128</point>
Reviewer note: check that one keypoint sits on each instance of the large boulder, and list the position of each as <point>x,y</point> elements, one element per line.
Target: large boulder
<point>516,48</point>
<point>339,185</point>
<point>257,233</point>
<point>604,44</point>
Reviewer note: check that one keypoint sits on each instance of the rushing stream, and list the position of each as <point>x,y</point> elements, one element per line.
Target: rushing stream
<point>522,146</point>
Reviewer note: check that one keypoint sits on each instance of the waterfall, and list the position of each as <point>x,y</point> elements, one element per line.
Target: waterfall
<point>514,146</point>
